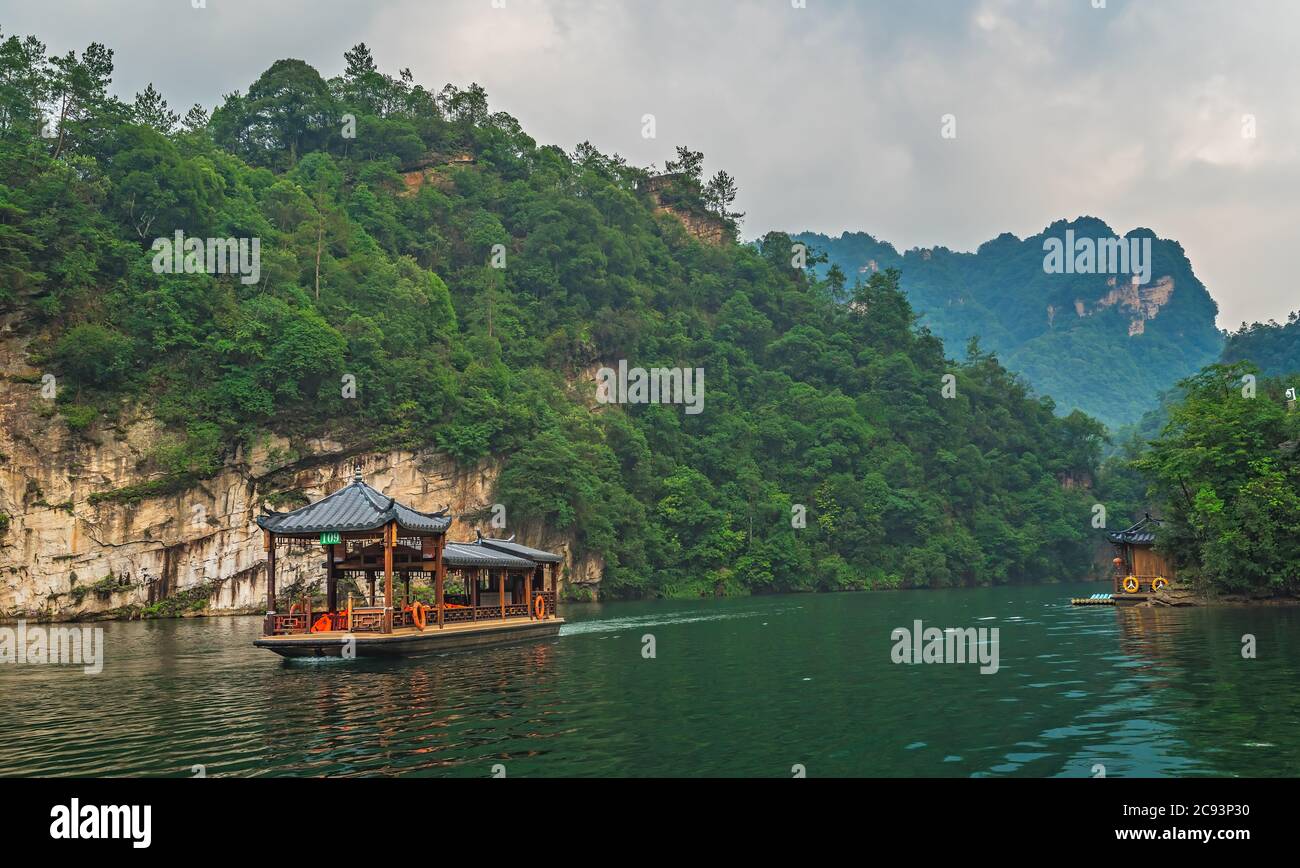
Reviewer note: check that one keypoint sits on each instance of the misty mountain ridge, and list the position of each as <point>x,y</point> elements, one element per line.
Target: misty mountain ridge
<point>1095,341</point>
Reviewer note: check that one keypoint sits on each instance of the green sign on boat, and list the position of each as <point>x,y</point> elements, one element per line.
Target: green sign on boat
<point>329,539</point>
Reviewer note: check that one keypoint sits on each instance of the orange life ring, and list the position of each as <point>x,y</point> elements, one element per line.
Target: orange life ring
<point>1131,585</point>
<point>323,624</point>
<point>1160,583</point>
<point>539,607</point>
<point>418,615</point>
<point>295,608</point>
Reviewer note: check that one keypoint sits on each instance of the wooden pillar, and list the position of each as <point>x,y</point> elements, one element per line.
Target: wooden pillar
<point>370,577</point>
<point>473,595</point>
<point>439,577</point>
<point>502,584</point>
<point>390,536</point>
<point>528,591</point>
<point>331,581</point>
<point>268,541</point>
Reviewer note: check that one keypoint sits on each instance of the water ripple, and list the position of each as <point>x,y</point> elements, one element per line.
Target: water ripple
<point>747,687</point>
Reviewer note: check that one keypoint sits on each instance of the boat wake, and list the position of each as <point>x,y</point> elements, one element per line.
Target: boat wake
<point>613,625</point>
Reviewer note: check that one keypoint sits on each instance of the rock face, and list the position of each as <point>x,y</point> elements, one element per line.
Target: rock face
<point>1142,303</point>
<point>706,228</point>
<point>67,555</point>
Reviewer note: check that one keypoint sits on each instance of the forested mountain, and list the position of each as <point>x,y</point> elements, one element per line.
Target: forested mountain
<point>467,280</point>
<point>1092,341</point>
<point>1273,347</point>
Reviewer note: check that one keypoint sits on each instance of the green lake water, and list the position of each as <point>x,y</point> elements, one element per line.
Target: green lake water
<point>737,687</point>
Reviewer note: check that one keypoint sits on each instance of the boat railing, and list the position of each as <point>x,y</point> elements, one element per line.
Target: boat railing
<point>370,619</point>
<point>281,625</point>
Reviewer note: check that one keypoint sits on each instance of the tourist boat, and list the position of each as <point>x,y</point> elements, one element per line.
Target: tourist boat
<point>485,592</point>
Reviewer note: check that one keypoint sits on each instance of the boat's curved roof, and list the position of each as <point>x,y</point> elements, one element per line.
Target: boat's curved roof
<point>355,507</point>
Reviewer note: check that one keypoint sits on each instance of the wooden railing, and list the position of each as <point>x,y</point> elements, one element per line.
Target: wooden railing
<point>457,616</point>
<point>282,625</point>
<point>369,620</point>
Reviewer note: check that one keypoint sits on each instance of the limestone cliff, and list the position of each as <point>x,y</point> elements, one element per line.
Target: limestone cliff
<point>1142,303</point>
<point>705,227</point>
<point>80,543</point>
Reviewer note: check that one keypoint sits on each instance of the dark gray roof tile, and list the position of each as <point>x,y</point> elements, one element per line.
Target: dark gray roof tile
<point>355,507</point>
<point>474,555</point>
<point>511,547</point>
<point>1141,533</point>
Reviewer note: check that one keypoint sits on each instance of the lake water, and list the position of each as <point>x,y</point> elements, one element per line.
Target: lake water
<point>737,687</point>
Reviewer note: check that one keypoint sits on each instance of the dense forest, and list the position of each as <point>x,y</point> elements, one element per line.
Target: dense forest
<point>1091,341</point>
<point>469,280</point>
<point>1224,474</point>
<point>1273,347</point>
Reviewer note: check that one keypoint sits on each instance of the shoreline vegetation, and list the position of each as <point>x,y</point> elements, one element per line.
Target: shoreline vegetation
<point>1176,596</point>
<point>432,277</point>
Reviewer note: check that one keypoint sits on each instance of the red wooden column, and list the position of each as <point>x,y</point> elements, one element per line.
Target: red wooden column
<point>501,583</point>
<point>331,581</point>
<point>439,576</point>
<point>268,541</point>
<point>390,536</point>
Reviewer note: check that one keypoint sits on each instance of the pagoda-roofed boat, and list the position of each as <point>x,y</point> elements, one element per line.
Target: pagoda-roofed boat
<point>485,592</point>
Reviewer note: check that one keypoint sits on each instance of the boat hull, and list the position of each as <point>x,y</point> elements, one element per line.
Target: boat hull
<point>408,642</point>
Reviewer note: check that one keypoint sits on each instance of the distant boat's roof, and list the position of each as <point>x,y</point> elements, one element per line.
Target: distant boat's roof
<point>1142,533</point>
<point>355,507</point>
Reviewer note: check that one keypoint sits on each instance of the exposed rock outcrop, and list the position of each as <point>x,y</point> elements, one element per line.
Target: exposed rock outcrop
<point>707,228</point>
<point>81,542</point>
<point>1142,303</point>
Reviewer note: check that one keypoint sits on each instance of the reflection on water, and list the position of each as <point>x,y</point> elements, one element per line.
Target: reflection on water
<point>738,687</point>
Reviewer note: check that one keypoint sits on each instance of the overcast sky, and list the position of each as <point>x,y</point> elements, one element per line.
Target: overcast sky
<point>829,116</point>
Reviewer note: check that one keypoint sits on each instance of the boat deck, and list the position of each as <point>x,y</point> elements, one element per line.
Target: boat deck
<point>411,640</point>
